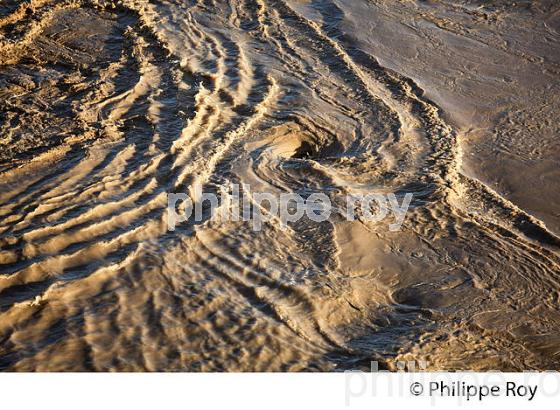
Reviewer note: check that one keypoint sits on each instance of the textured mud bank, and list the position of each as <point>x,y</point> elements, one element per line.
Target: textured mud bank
<point>108,106</point>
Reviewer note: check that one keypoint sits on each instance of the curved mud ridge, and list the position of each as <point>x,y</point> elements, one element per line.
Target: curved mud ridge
<point>108,106</point>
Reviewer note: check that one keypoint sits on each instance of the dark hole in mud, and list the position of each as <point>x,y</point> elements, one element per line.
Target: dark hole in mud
<point>306,150</point>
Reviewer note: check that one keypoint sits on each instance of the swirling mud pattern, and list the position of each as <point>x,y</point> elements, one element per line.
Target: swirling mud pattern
<point>107,107</point>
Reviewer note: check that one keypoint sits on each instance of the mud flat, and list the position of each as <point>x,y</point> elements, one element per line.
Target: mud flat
<point>106,107</point>
<point>493,68</point>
